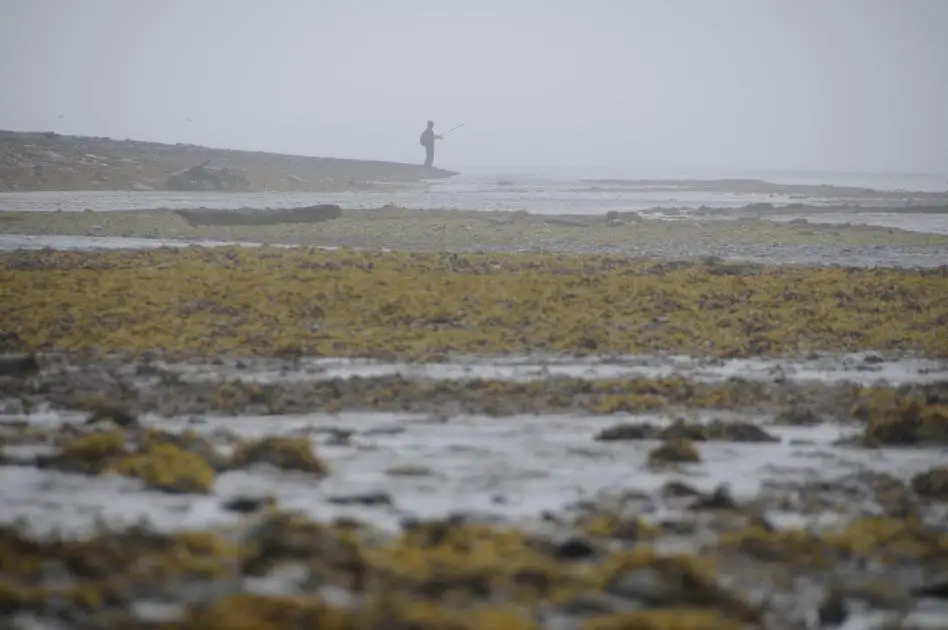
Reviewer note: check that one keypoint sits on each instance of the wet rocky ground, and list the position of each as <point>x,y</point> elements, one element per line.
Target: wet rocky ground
<point>752,239</point>
<point>143,493</point>
<point>526,441</point>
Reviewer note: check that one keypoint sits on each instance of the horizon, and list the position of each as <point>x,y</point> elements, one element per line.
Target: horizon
<point>500,169</point>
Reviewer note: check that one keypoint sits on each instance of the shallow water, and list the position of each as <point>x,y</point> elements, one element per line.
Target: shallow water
<point>513,469</point>
<point>10,242</point>
<point>853,368</point>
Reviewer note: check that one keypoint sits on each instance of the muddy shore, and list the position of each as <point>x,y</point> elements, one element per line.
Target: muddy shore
<point>277,437</point>
<point>49,161</point>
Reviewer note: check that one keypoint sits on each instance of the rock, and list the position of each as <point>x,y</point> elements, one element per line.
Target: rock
<point>409,470</point>
<point>717,430</point>
<point>674,451</point>
<point>566,222</point>
<point>307,214</point>
<point>720,499</point>
<point>18,365</point>
<point>797,415</point>
<point>10,342</point>
<point>112,412</point>
<point>167,468</point>
<point>932,483</point>
<point>365,498</point>
<point>832,611</point>
<point>190,442</point>
<point>937,587</point>
<point>574,548</point>
<point>282,452</point>
<point>699,432</point>
<point>637,431</point>
<point>247,504</point>
<point>676,489</point>
<point>645,584</point>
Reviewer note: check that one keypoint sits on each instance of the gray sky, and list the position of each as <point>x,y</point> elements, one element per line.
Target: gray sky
<point>857,85</point>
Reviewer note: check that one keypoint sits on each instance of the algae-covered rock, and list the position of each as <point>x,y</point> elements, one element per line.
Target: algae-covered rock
<point>90,453</point>
<point>167,468</point>
<point>932,483</point>
<point>283,452</point>
<point>716,430</point>
<point>797,415</point>
<point>674,451</point>
<point>283,536</point>
<point>188,441</point>
<point>885,540</point>
<point>162,465</point>
<point>672,581</point>
<point>896,419</point>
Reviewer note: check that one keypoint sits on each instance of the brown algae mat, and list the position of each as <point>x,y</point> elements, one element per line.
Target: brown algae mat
<point>273,301</point>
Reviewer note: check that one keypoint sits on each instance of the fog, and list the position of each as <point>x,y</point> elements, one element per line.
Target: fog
<point>847,85</point>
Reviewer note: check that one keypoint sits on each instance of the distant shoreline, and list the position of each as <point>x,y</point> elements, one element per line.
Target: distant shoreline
<point>48,161</point>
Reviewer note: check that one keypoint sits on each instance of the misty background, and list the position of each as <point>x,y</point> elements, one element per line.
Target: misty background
<point>847,85</point>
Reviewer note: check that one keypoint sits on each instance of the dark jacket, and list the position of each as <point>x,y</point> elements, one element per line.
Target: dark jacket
<point>427,138</point>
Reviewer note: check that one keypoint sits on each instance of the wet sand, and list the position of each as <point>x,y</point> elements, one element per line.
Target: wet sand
<point>528,440</point>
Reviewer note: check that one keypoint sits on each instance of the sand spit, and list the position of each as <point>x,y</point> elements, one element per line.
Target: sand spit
<point>50,161</point>
<point>762,187</point>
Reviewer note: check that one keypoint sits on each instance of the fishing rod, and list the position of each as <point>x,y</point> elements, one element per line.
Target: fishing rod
<point>452,129</point>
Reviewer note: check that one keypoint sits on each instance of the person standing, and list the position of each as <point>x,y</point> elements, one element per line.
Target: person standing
<point>427,140</point>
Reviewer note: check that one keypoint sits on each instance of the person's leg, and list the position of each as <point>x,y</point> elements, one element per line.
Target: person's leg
<point>429,156</point>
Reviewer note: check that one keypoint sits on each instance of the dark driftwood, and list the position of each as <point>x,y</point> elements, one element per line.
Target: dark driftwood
<point>309,214</point>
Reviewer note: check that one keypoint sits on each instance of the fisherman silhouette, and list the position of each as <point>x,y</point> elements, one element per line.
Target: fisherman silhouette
<point>427,140</point>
